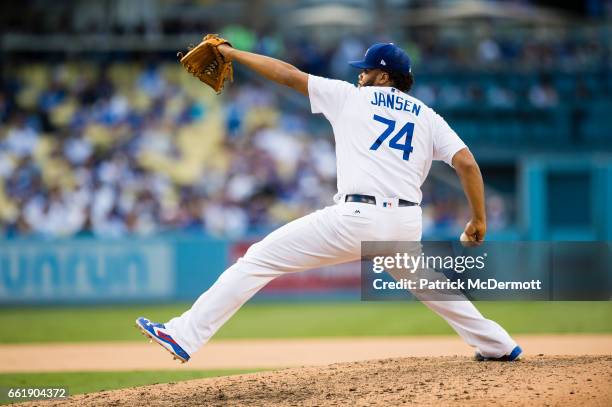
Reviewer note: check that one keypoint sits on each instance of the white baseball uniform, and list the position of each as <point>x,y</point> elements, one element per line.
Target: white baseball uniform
<point>385,143</point>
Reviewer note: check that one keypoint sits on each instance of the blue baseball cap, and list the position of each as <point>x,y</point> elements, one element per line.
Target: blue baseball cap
<point>384,56</point>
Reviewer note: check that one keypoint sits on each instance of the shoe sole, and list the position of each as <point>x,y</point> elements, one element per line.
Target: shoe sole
<point>506,358</point>
<point>152,338</point>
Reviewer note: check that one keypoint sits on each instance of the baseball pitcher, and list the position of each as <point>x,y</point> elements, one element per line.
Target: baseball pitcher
<point>385,143</point>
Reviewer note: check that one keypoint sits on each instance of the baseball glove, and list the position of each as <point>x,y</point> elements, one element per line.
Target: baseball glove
<point>207,64</point>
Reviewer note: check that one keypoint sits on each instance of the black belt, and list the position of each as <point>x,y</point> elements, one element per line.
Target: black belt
<point>368,199</point>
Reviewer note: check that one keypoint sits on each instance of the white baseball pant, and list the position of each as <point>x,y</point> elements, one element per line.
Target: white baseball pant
<point>328,236</point>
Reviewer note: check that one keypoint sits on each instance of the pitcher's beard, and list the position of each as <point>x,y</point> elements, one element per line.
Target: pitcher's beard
<point>368,82</point>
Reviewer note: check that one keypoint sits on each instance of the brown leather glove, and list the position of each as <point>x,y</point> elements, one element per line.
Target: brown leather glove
<point>207,64</point>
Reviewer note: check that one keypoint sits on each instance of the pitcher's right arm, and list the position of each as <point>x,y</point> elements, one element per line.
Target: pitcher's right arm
<point>468,171</point>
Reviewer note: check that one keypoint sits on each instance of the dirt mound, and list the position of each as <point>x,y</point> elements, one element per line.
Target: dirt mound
<point>558,380</point>
<point>269,353</point>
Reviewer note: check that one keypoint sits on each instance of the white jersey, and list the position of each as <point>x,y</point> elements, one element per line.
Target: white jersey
<point>385,139</point>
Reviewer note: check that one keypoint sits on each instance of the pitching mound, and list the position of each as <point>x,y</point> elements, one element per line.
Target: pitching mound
<point>558,380</point>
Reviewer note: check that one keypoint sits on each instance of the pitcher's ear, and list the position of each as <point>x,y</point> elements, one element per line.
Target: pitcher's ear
<point>384,77</point>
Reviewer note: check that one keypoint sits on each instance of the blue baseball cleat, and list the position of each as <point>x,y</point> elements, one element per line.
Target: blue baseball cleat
<point>155,332</point>
<point>514,355</point>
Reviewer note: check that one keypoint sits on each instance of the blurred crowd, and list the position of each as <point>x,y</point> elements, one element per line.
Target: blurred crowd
<point>143,148</point>
<point>87,156</point>
<point>132,151</point>
<point>539,68</point>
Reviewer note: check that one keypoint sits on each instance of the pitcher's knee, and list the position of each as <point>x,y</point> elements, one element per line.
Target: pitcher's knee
<point>253,267</point>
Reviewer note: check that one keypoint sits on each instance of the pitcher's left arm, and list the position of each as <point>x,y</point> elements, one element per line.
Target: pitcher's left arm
<point>274,69</point>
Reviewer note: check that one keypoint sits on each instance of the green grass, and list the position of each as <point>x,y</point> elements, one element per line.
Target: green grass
<point>296,320</point>
<point>86,382</point>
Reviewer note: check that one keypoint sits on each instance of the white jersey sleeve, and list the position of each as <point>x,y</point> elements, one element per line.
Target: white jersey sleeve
<point>446,143</point>
<point>328,96</point>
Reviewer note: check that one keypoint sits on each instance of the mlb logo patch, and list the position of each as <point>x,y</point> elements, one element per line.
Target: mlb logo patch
<point>387,204</point>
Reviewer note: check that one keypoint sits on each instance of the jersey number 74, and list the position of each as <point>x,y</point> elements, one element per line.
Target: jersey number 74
<point>407,129</point>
